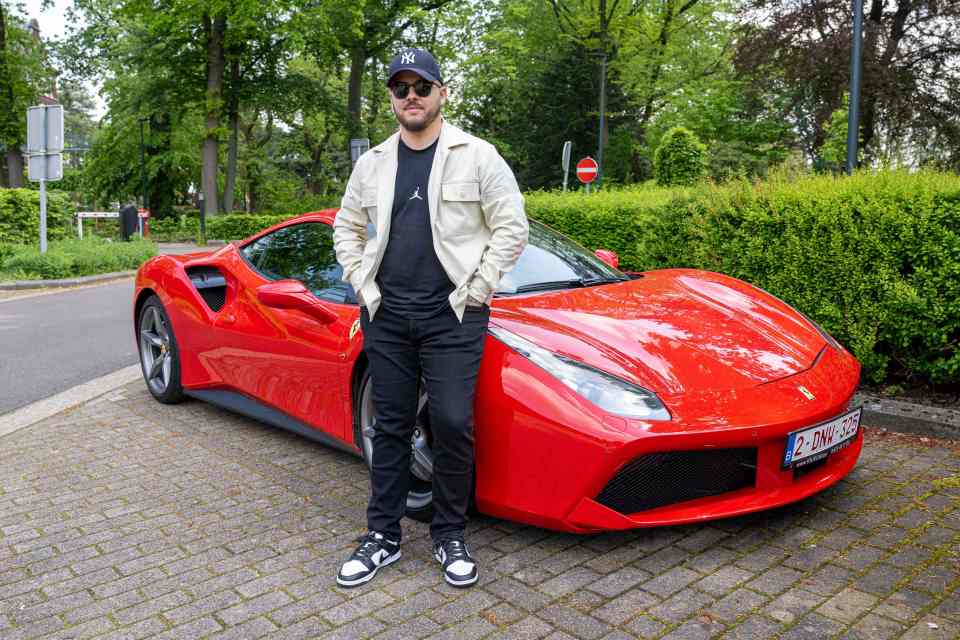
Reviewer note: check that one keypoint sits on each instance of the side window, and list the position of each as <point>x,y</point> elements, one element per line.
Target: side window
<point>303,252</point>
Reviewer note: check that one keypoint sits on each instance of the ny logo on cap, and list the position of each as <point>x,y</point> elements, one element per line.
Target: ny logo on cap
<point>407,58</point>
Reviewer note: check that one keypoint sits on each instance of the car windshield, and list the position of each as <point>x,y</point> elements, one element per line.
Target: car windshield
<point>553,261</point>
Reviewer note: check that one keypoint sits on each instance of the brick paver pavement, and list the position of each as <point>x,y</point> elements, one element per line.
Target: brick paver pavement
<point>125,518</point>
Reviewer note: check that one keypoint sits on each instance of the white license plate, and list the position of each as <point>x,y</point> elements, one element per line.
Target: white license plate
<point>815,443</point>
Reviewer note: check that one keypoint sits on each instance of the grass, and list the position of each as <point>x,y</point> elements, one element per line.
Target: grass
<point>72,258</point>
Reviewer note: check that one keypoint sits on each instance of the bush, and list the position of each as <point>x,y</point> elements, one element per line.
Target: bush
<point>615,219</point>
<point>70,258</point>
<point>239,226</point>
<point>681,159</point>
<point>31,264</point>
<point>875,258</point>
<point>20,216</point>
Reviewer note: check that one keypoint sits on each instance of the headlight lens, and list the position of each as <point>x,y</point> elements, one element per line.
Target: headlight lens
<point>604,390</point>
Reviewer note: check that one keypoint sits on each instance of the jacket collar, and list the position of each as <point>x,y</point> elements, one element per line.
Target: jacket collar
<point>450,136</point>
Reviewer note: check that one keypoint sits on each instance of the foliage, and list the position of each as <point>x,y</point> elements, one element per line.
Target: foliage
<point>69,258</point>
<point>239,226</point>
<point>873,258</point>
<point>616,219</point>
<point>20,216</point>
<point>797,57</point>
<point>833,152</point>
<point>23,77</point>
<point>680,159</point>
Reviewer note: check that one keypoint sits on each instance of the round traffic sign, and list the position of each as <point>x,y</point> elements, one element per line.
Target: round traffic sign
<point>587,170</point>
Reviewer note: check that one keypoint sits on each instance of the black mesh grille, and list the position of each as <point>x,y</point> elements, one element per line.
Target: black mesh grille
<point>799,472</point>
<point>659,479</point>
<point>214,297</point>
<point>211,285</point>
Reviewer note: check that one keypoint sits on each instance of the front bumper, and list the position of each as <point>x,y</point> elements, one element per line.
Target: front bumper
<point>545,455</point>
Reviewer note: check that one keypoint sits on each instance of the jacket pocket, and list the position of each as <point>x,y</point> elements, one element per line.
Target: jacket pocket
<point>460,212</point>
<point>461,191</point>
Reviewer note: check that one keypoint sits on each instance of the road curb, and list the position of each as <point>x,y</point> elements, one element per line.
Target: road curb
<point>17,285</point>
<point>909,417</point>
<point>80,394</point>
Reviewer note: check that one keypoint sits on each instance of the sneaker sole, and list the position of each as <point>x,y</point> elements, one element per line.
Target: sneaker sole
<point>460,584</point>
<point>369,576</point>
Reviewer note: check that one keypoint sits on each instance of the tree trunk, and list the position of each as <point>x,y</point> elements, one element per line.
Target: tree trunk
<point>233,113</point>
<point>11,126</point>
<point>358,62</point>
<point>160,189</point>
<point>14,169</point>
<point>215,30</point>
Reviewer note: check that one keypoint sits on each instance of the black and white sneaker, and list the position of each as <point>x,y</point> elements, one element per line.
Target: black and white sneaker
<point>459,569</point>
<point>374,552</point>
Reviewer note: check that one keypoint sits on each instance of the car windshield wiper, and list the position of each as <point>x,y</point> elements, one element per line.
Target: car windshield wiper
<point>567,284</point>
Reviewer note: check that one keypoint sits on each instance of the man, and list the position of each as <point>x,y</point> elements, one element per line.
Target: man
<point>430,221</point>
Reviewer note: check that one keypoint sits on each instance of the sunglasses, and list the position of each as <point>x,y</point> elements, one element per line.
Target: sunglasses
<point>401,89</point>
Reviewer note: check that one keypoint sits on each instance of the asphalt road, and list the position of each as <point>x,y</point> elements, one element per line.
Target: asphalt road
<point>50,343</point>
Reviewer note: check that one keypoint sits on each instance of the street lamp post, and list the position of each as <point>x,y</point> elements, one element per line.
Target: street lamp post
<point>603,114</point>
<point>143,176</point>
<point>853,116</point>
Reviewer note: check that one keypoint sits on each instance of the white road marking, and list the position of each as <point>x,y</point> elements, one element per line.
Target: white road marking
<point>43,409</point>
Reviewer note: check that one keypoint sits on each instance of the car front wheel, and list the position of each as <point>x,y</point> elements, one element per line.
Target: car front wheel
<point>420,496</point>
<point>159,356</point>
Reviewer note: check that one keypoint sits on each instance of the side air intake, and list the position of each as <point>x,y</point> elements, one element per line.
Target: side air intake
<point>210,284</point>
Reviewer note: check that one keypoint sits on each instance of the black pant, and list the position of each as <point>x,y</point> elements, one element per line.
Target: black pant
<point>447,354</point>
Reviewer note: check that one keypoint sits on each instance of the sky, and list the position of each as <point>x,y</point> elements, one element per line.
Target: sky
<point>51,21</point>
<point>53,26</point>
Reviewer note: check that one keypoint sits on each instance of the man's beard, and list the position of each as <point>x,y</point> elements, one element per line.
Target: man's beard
<point>416,126</point>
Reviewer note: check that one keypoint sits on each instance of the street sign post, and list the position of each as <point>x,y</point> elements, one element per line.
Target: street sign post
<point>587,171</point>
<point>565,161</point>
<point>358,147</point>
<point>44,154</point>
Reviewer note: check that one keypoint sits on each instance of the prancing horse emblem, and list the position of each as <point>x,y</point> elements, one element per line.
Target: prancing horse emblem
<point>806,392</point>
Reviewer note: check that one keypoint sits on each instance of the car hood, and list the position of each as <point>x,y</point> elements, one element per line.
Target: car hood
<point>671,331</point>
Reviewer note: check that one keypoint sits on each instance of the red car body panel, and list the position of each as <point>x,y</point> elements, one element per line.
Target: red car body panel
<point>726,359</point>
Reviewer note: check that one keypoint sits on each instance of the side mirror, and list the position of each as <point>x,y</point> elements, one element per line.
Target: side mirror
<point>608,256</point>
<point>291,294</point>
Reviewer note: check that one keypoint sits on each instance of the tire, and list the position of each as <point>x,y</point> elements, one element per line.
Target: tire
<point>420,498</point>
<point>159,354</point>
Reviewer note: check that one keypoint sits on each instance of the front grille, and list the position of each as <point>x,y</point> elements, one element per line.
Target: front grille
<point>659,479</point>
<point>799,472</point>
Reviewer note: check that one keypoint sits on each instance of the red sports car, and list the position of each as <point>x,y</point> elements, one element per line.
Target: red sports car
<point>605,400</point>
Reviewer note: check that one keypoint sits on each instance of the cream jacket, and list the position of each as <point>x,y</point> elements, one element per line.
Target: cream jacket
<point>476,214</point>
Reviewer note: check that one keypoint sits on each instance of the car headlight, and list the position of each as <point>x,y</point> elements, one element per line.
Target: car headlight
<point>608,392</point>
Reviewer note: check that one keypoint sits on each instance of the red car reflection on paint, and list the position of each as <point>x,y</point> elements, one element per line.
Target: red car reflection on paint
<point>605,400</point>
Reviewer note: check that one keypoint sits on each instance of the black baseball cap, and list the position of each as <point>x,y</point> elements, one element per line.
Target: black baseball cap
<point>417,60</point>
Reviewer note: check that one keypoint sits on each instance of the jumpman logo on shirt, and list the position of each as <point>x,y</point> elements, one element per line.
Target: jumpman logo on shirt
<point>416,194</point>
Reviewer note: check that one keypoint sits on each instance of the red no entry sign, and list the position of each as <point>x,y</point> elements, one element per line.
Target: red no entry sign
<point>587,170</point>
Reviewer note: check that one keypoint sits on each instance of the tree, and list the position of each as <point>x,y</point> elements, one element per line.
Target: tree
<point>680,159</point>
<point>23,76</point>
<point>911,67</point>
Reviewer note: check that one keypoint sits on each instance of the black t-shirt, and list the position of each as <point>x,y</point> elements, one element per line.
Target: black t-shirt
<point>411,278</point>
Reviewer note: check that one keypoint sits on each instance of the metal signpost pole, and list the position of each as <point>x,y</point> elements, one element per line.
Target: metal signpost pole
<point>44,159</point>
<point>565,161</point>
<point>603,109</point>
<point>43,192</point>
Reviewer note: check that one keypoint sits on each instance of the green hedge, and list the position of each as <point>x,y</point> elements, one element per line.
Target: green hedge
<point>875,258</point>
<point>20,216</point>
<point>615,220</point>
<point>70,258</point>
